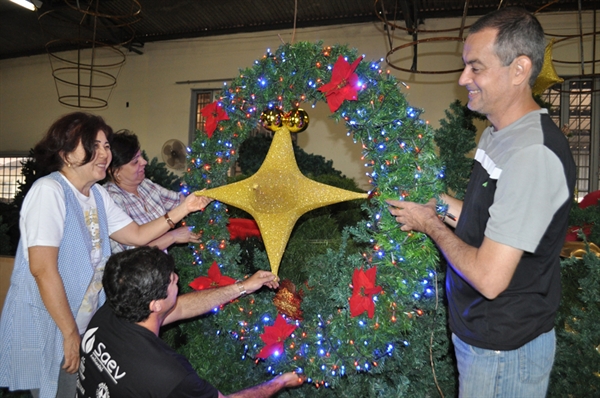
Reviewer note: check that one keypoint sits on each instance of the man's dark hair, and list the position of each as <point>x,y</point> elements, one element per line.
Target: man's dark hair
<point>64,136</point>
<point>134,278</point>
<point>124,146</point>
<point>519,33</point>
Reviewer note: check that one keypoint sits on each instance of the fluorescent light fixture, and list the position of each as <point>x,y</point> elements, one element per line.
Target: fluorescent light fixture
<point>28,4</point>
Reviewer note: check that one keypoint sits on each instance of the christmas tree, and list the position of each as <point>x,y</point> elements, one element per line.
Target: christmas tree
<point>455,139</point>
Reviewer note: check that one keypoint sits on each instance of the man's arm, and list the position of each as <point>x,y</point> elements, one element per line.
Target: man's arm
<point>489,268</point>
<point>268,388</point>
<point>200,302</point>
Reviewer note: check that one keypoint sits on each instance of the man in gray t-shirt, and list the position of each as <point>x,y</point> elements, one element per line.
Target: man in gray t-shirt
<point>503,281</point>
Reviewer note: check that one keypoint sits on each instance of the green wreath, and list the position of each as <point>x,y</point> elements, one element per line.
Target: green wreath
<point>398,148</point>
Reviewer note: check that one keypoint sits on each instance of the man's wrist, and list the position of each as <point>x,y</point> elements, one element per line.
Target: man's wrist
<point>241,287</point>
<point>442,212</point>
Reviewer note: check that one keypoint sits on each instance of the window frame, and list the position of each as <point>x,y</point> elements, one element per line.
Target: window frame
<point>20,156</point>
<point>567,115</point>
<point>195,116</point>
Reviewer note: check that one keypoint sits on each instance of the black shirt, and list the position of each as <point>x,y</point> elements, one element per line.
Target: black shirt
<point>122,359</point>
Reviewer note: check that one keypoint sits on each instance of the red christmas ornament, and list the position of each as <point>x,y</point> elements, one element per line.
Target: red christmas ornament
<point>274,336</point>
<point>343,83</point>
<point>213,113</point>
<point>214,279</point>
<point>364,289</point>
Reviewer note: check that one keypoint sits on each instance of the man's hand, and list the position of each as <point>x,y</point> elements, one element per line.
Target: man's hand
<point>200,302</point>
<point>270,388</point>
<point>290,379</point>
<point>489,268</point>
<point>414,216</point>
<point>260,279</point>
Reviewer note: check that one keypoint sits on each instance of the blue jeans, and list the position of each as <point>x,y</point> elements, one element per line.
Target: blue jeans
<point>520,373</point>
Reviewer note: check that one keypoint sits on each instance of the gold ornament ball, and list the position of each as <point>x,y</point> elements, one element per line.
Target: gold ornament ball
<point>271,119</point>
<point>297,120</point>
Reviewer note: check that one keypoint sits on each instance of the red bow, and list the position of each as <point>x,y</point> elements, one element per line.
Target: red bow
<point>573,232</point>
<point>274,336</point>
<point>364,290</point>
<point>213,113</point>
<point>242,228</point>
<point>342,85</point>
<point>590,199</point>
<point>214,279</point>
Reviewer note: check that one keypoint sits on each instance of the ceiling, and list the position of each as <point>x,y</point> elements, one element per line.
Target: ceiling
<point>25,33</point>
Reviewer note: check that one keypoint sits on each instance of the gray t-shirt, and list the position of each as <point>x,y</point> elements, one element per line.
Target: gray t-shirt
<point>519,194</point>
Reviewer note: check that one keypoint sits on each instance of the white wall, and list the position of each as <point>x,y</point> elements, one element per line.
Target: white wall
<point>148,101</point>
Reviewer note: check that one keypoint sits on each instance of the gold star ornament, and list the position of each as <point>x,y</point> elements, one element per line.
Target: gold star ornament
<point>547,77</point>
<point>278,194</point>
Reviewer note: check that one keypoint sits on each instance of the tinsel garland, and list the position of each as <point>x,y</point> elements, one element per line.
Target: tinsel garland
<point>398,150</point>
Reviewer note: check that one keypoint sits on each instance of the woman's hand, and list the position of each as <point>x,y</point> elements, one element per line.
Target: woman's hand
<point>137,235</point>
<point>184,235</point>
<point>43,264</point>
<point>195,203</point>
<point>71,344</point>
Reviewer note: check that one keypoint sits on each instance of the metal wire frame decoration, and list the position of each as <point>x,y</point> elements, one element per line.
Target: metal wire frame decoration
<point>87,56</point>
<point>582,62</point>
<point>411,20</point>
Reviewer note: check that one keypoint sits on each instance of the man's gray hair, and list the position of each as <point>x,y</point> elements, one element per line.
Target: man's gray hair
<point>519,33</point>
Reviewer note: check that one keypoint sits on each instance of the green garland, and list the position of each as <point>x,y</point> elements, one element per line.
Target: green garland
<point>399,150</point>
<point>455,139</point>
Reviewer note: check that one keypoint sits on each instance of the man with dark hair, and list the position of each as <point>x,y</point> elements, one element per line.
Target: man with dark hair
<point>503,282</point>
<point>121,353</point>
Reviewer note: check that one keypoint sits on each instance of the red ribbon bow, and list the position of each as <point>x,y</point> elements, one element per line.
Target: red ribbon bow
<point>343,83</point>
<point>242,228</point>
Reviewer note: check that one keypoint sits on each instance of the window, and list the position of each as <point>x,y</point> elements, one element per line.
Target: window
<point>10,175</point>
<point>200,98</point>
<point>576,109</point>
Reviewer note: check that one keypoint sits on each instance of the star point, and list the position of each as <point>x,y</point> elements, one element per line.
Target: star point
<point>278,194</point>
